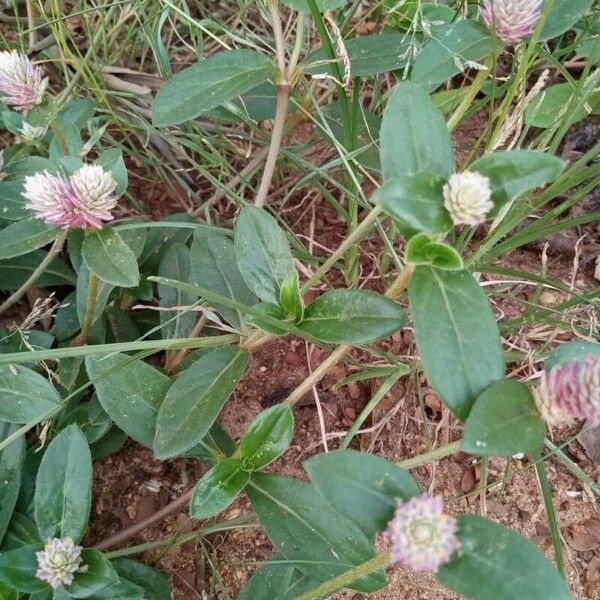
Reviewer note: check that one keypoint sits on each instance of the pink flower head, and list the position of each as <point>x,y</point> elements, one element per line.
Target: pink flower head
<point>58,562</point>
<point>422,536</point>
<point>512,20</point>
<point>22,84</point>
<point>84,200</point>
<point>570,392</point>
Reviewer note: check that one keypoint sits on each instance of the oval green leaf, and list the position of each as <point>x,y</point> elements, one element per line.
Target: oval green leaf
<point>99,574</point>
<point>456,334</point>
<point>18,568</point>
<point>351,317</point>
<point>267,437</point>
<point>503,421</point>
<point>218,488</point>
<point>569,352</point>
<point>11,467</point>
<point>564,14</point>
<point>194,401</point>
<point>414,135</point>
<point>63,491</point>
<point>25,236</point>
<point>309,532</point>
<point>107,255</point>
<point>262,252</point>
<point>421,250</point>
<point>495,563</point>
<point>361,486</point>
<point>154,584</point>
<point>26,395</point>
<point>322,5</point>
<point>208,84</point>
<point>130,391</point>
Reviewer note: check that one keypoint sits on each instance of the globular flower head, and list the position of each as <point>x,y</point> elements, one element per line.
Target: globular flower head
<point>569,392</point>
<point>468,198</point>
<point>58,562</point>
<point>86,199</point>
<point>512,20</point>
<point>22,84</point>
<point>422,536</point>
<point>94,196</point>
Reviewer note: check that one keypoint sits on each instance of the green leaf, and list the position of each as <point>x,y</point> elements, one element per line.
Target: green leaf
<point>277,580</point>
<point>214,267</point>
<point>456,334</point>
<point>270,310</point>
<point>547,108</point>
<point>175,264</point>
<point>130,391</point>
<point>103,292</point>
<point>322,5</point>
<point>8,593</point>
<point>368,55</point>
<point>450,52</point>
<point>22,531</point>
<point>112,161</point>
<point>11,467</point>
<point>361,486</point>
<point>154,584</point>
<point>267,437</point>
<point>503,421</point>
<point>263,253</point>
<point>495,563</point>
<point>194,401</point>
<point>12,204</point>
<point>25,236</point>
<point>107,255</point>
<point>19,169</point>
<point>421,250</point>
<point>564,14</point>
<point>416,201</point>
<point>100,573</point>
<point>63,492</point>
<point>290,297</point>
<point>209,83</point>
<point>218,488</point>
<point>414,135</point>
<point>18,568</point>
<point>14,272</point>
<point>569,352</point>
<point>351,317</point>
<point>517,171</point>
<point>309,532</point>
<point>26,395</point>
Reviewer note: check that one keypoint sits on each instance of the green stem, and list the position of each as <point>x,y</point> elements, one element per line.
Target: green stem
<point>427,457</point>
<point>60,138</point>
<point>573,467</point>
<point>544,484</point>
<point>381,561</point>
<point>90,307</point>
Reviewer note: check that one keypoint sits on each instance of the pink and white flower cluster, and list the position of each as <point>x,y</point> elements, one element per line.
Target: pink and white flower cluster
<point>512,20</point>
<point>422,536</point>
<point>22,84</point>
<point>570,392</point>
<point>59,561</point>
<point>85,199</point>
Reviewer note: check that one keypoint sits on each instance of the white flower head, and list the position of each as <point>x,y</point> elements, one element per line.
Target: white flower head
<point>94,196</point>
<point>22,84</point>
<point>47,196</point>
<point>58,562</point>
<point>468,198</point>
<point>422,536</point>
<point>512,20</point>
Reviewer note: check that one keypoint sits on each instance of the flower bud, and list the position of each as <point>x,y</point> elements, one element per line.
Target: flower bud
<point>58,562</point>
<point>569,392</point>
<point>512,20</point>
<point>468,198</point>
<point>422,536</point>
<point>29,133</point>
<point>22,84</point>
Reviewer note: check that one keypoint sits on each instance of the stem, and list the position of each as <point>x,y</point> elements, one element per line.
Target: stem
<point>174,363</point>
<point>544,484</point>
<point>573,467</point>
<point>56,248</point>
<point>329,587</point>
<point>90,307</point>
<point>437,454</point>
<point>60,138</point>
<point>397,288</point>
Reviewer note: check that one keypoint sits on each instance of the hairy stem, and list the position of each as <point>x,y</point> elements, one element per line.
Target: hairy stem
<point>60,137</point>
<point>90,307</point>
<point>54,251</point>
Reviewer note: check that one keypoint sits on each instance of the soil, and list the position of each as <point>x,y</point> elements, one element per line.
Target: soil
<point>131,485</point>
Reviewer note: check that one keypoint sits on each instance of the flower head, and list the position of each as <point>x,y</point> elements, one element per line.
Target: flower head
<point>22,84</point>
<point>570,392</point>
<point>468,197</point>
<point>85,200</point>
<point>422,536</point>
<point>512,20</point>
<point>29,133</point>
<point>58,562</point>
